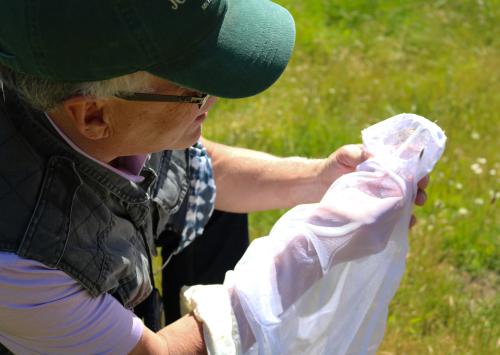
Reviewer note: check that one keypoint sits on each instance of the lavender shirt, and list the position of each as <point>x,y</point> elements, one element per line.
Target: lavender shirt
<point>45,311</point>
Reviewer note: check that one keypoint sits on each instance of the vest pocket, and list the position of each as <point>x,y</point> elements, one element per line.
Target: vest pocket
<point>47,232</point>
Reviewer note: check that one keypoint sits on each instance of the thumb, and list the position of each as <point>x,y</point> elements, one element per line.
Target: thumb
<point>352,155</point>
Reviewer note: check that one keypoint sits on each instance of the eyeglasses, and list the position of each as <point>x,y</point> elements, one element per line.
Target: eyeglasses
<point>200,99</point>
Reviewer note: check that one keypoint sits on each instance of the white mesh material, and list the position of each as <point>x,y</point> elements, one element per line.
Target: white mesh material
<point>321,282</point>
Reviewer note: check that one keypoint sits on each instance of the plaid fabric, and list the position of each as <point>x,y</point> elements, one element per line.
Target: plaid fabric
<point>201,199</point>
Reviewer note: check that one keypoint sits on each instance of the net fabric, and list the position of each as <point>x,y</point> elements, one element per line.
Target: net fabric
<point>321,282</point>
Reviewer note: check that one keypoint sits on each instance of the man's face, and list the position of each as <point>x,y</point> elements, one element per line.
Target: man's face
<point>146,127</point>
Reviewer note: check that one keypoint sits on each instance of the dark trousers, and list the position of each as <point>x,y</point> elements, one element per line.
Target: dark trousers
<point>206,260</point>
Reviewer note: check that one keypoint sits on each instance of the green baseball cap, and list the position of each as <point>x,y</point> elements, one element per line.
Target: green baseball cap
<point>227,48</point>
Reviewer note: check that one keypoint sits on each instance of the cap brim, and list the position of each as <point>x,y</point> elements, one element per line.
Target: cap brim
<point>245,55</point>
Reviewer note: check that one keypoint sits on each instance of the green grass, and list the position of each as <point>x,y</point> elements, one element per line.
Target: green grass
<point>358,62</point>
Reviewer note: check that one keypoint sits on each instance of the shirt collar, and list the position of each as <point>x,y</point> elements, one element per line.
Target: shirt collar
<point>128,167</point>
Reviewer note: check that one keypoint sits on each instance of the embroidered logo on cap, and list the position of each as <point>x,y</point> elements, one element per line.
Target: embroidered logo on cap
<point>206,4</point>
<point>176,3</point>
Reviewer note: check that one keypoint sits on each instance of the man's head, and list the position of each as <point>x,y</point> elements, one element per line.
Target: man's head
<point>75,58</point>
<point>227,48</point>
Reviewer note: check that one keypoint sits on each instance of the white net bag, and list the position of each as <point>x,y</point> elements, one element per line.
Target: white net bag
<point>321,282</point>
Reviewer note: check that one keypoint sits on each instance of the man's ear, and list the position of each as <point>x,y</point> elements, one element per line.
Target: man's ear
<point>88,116</point>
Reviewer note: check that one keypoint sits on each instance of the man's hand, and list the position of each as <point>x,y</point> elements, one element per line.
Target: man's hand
<point>421,197</point>
<point>184,336</point>
<point>345,159</point>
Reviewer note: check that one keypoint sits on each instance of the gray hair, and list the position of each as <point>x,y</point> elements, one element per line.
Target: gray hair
<point>45,94</point>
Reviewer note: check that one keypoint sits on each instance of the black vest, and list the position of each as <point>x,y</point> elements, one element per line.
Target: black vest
<point>70,213</point>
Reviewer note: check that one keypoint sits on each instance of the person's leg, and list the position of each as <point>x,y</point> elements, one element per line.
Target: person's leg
<point>206,260</point>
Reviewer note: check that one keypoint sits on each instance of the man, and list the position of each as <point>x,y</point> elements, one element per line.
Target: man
<point>102,111</point>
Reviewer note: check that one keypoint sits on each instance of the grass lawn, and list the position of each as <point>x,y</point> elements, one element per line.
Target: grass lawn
<point>360,61</point>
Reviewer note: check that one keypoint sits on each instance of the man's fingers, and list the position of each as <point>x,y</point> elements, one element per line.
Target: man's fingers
<point>352,155</point>
<point>366,154</point>
<point>424,182</point>
<point>421,198</point>
<point>413,221</point>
